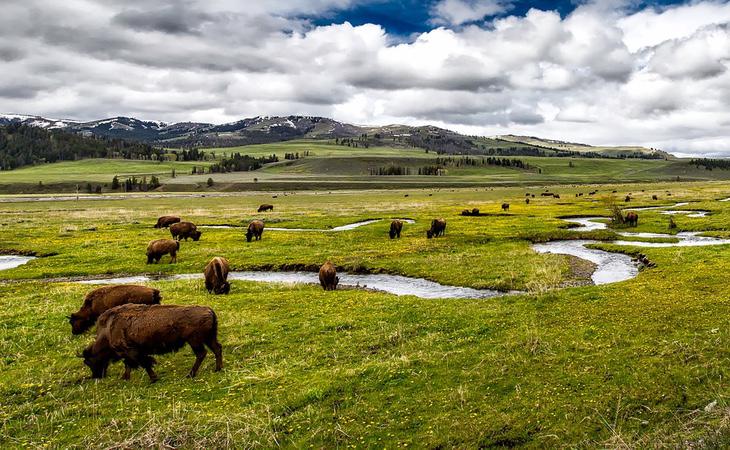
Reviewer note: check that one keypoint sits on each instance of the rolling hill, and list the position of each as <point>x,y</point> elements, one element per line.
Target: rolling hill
<point>268,129</point>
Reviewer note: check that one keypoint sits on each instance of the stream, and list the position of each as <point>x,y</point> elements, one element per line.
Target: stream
<point>349,226</point>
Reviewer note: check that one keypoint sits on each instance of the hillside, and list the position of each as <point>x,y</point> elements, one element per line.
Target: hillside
<point>266,129</point>
<point>611,151</point>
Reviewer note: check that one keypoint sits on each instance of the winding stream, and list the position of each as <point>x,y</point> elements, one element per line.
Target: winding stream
<point>393,284</point>
<point>13,261</point>
<point>349,226</point>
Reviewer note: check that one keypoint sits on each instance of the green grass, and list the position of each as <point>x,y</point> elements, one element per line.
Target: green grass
<point>626,365</point>
<point>95,170</point>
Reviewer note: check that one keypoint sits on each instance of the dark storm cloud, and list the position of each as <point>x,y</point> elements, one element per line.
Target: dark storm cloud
<point>172,20</point>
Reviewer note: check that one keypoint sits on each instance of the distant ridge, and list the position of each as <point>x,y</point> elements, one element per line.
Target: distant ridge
<point>270,129</point>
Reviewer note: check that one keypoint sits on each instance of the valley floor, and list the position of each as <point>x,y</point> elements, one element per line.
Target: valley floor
<point>640,363</point>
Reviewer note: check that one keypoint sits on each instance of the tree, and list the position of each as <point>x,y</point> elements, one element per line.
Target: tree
<point>115,183</point>
<point>88,188</point>
<point>98,189</point>
<point>210,182</point>
<point>173,173</point>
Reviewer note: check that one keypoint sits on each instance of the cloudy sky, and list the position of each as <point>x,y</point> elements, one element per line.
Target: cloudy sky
<point>653,73</point>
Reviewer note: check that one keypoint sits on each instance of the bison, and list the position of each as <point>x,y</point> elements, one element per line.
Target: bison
<point>166,221</point>
<point>216,276</point>
<point>328,276</point>
<point>527,201</point>
<point>255,230</point>
<point>132,333</point>
<point>631,219</point>
<point>160,247</point>
<point>266,207</point>
<point>396,227</point>
<point>185,230</point>
<point>438,228</point>
<point>628,198</point>
<point>99,300</point>
<point>654,197</point>
<point>505,206</point>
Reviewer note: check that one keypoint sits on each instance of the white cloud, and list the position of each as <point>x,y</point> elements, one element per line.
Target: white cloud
<point>592,76</point>
<point>458,12</point>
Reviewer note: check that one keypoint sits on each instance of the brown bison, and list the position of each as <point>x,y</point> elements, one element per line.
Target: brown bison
<point>527,201</point>
<point>628,198</point>
<point>654,197</point>
<point>328,276</point>
<point>166,221</point>
<point>132,333</point>
<point>631,219</point>
<point>255,230</point>
<point>396,227</point>
<point>505,206</point>
<point>159,247</point>
<point>266,207</point>
<point>216,276</point>
<point>99,300</point>
<point>438,228</point>
<point>185,230</point>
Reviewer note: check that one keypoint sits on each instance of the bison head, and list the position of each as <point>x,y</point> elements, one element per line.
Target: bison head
<point>429,234</point>
<point>223,288</point>
<point>97,362</point>
<point>249,235</point>
<point>196,235</point>
<point>78,323</point>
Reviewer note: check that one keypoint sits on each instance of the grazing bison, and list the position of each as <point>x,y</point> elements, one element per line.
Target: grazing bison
<point>505,206</point>
<point>527,201</point>
<point>166,221</point>
<point>628,198</point>
<point>556,195</point>
<point>160,247</point>
<point>438,228</point>
<point>396,227</point>
<point>216,276</point>
<point>631,219</point>
<point>185,230</point>
<point>328,276</point>
<point>104,298</point>
<point>255,230</point>
<point>654,197</point>
<point>266,207</point>
<point>134,332</point>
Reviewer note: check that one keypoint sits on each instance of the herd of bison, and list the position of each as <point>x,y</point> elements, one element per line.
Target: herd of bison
<point>132,325</point>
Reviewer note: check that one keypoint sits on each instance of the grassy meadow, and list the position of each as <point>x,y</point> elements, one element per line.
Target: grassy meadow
<point>636,364</point>
<point>329,166</point>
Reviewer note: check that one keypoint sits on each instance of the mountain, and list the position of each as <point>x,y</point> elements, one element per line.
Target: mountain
<point>270,129</point>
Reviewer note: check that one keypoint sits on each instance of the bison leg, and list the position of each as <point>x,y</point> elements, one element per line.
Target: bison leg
<point>149,259</point>
<point>200,353</point>
<point>173,257</point>
<point>147,362</point>
<point>127,371</point>
<point>217,349</point>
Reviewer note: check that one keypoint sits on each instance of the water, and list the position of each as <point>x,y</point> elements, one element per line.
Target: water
<point>350,226</point>
<point>393,284</point>
<point>13,261</point>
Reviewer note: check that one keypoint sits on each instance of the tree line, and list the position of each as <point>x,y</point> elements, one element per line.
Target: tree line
<point>709,164</point>
<point>23,145</point>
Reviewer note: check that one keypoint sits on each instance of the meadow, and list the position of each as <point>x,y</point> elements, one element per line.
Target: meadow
<point>641,363</point>
<point>329,166</point>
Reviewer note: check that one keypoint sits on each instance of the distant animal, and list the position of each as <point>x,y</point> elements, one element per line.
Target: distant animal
<point>631,219</point>
<point>185,230</point>
<point>132,333</point>
<point>396,226</point>
<point>527,201</point>
<point>255,230</point>
<point>527,195</point>
<point>266,207</point>
<point>158,248</point>
<point>628,198</point>
<point>166,221</point>
<point>405,195</point>
<point>547,194</point>
<point>505,206</point>
<point>438,228</point>
<point>104,298</point>
<point>328,276</point>
<point>216,276</point>
<point>533,195</point>
<point>475,211</point>
<point>654,197</point>
<point>466,212</point>
<point>613,192</point>
<point>556,195</point>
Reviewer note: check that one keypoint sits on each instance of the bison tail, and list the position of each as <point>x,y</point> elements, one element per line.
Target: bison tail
<point>156,297</point>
